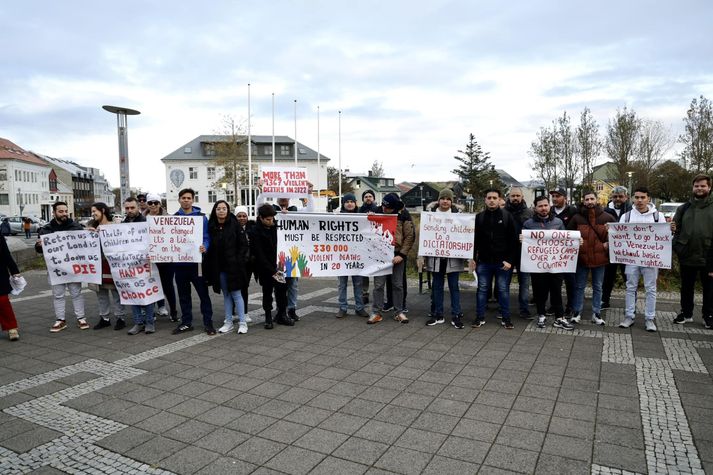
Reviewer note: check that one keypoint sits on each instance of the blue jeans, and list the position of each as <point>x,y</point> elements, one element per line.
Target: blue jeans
<point>356,284</point>
<point>438,290</point>
<point>143,314</point>
<point>486,272</point>
<point>581,283</point>
<point>187,274</point>
<point>231,299</point>
<point>292,288</point>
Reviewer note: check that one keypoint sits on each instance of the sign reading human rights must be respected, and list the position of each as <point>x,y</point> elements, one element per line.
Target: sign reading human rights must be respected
<point>640,244</point>
<point>550,251</point>
<point>322,245</point>
<point>447,235</point>
<point>284,182</point>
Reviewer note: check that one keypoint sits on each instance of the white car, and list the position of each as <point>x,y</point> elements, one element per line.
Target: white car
<point>668,210</point>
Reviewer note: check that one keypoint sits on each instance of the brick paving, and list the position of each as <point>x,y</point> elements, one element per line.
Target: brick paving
<point>339,396</point>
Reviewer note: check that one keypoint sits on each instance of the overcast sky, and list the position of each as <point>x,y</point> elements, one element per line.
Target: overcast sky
<point>412,79</point>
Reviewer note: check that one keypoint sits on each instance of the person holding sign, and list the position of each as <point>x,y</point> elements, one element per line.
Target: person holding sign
<point>547,284</point>
<point>590,221</point>
<point>165,269</point>
<point>643,212</point>
<point>62,222</point>
<point>349,206</point>
<point>8,268</point>
<point>225,263</point>
<point>368,198</point>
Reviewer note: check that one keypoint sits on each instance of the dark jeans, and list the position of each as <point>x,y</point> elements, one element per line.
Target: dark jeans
<point>165,272</point>
<point>187,274</point>
<point>486,273</point>
<point>390,290</point>
<point>28,234</point>
<point>438,292</point>
<point>270,285</point>
<point>548,285</point>
<point>688,287</point>
<point>610,279</point>
<point>569,280</point>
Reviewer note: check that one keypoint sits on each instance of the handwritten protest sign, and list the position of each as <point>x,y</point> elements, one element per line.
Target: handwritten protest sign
<point>126,249</point>
<point>640,244</point>
<point>72,256</point>
<point>175,238</point>
<point>323,245</point>
<point>284,182</point>
<point>447,235</point>
<point>549,251</point>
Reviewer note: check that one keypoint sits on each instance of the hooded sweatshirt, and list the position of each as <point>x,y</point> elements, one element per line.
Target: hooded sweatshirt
<point>649,216</point>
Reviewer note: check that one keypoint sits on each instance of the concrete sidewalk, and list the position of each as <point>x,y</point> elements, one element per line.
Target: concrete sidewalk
<point>339,396</point>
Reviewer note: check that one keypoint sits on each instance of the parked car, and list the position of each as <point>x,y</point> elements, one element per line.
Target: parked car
<point>16,225</point>
<point>668,210</point>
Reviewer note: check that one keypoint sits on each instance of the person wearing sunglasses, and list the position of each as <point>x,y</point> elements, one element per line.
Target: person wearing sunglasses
<point>165,269</point>
<point>143,205</point>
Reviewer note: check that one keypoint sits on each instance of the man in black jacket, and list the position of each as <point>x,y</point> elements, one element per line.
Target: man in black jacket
<point>62,222</point>
<point>564,211</point>
<point>517,207</point>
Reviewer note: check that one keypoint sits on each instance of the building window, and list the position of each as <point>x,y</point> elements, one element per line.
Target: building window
<point>193,173</point>
<point>229,196</point>
<point>285,150</point>
<point>600,187</point>
<point>187,150</point>
<point>211,173</point>
<point>302,151</point>
<point>212,196</point>
<point>268,150</point>
<point>195,198</point>
<point>4,199</point>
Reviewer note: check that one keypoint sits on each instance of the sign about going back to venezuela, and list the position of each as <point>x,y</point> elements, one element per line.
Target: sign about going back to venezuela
<point>324,245</point>
<point>641,244</point>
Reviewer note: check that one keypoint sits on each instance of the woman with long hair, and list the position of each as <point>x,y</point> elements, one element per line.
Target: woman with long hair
<point>8,268</point>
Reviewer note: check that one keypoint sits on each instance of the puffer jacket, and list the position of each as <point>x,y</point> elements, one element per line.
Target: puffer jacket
<point>694,231</point>
<point>435,264</point>
<point>405,234</point>
<point>592,225</point>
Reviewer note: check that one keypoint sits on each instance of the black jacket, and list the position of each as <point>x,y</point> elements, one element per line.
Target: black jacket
<point>263,248</point>
<point>7,267</point>
<point>140,218</point>
<point>565,215</point>
<point>496,237</point>
<point>228,253</point>
<point>520,212</point>
<point>54,226</point>
<point>364,208</point>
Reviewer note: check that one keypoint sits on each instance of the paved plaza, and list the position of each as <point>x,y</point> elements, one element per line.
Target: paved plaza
<point>335,396</point>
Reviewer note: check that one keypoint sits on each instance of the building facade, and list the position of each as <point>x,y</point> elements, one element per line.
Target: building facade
<point>24,181</point>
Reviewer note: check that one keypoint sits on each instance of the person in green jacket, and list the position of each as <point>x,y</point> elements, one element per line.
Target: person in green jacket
<point>692,226</point>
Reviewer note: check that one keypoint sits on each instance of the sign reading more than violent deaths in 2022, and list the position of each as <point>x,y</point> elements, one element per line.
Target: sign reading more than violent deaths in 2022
<point>549,251</point>
<point>175,238</point>
<point>284,182</point>
<point>72,256</point>
<point>447,235</point>
<point>135,277</point>
<point>322,245</point>
<point>641,244</point>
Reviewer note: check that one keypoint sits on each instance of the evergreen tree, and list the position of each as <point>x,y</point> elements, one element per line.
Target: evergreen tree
<point>475,171</point>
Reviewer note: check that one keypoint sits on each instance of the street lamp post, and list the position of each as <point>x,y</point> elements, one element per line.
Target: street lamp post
<point>121,123</point>
<point>630,175</point>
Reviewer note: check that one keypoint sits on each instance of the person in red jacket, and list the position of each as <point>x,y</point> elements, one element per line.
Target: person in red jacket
<point>8,268</point>
<point>591,221</point>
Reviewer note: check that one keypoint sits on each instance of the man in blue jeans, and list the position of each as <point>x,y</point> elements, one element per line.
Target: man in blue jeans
<point>187,273</point>
<point>496,245</point>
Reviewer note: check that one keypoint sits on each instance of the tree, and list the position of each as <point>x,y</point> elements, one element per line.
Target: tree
<point>589,145</point>
<point>565,151</point>
<point>377,169</point>
<point>670,182</point>
<point>622,140</point>
<point>475,171</point>
<point>698,137</point>
<point>333,181</point>
<point>654,142</point>
<point>544,152</point>
<point>231,155</point>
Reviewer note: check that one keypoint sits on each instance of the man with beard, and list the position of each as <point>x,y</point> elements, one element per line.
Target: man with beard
<point>562,210</point>
<point>693,227</point>
<point>62,222</point>
<point>517,207</point>
<point>591,221</point>
<point>368,206</point>
<point>617,207</point>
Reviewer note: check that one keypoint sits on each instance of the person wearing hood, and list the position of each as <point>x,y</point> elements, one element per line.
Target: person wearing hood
<point>617,207</point>
<point>643,212</point>
<point>368,205</point>
<point>349,206</point>
<point>591,221</point>
<point>188,274</point>
<point>517,207</point>
<point>62,222</point>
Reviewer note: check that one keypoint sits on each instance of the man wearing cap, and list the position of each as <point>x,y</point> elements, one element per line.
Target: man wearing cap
<point>143,206</point>
<point>617,207</point>
<point>403,242</point>
<point>517,207</point>
<point>562,210</point>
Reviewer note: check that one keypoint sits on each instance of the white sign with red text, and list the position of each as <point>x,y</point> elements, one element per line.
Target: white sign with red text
<point>549,251</point>
<point>284,182</point>
<point>72,256</point>
<point>640,244</point>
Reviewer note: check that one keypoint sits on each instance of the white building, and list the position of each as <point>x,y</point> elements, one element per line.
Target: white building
<point>24,181</point>
<point>102,189</point>
<point>193,166</point>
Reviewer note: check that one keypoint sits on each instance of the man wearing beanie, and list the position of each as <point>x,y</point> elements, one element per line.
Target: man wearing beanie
<point>368,206</point>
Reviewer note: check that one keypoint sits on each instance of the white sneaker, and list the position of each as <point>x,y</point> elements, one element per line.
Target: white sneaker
<point>597,320</point>
<point>628,321</point>
<point>576,318</point>
<point>248,319</point>
<point>163,311</point>
<point>242,327</point>
<point>650,326</point>
<point>226,328</point>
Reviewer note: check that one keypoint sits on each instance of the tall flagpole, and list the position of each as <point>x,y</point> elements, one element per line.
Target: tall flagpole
<point>319,168</point>
<point>295,131</point>
<point>273,128</point>
<point>250,160</point>
<point>339,178</point>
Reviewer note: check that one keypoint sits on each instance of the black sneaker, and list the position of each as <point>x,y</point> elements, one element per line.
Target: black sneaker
<point>563,324</point>
<point>477,323</point>
<point>508,325</point>
<point>541,321</point>
<point>291,313</point>
<point>120,324</point>
<point>174,317</point>
<point>681,318</point>
<point>708,322</point>
<point>457,322</point>
<point>269,326</point>
<point>182,329</point>
<point>435,321</point>
<point>605,304</point>
<point>103,323</point>
<point>210,330</point>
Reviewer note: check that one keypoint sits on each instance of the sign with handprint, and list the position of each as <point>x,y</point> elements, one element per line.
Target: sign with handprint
<point>284,182</point>
<point>324,245</point>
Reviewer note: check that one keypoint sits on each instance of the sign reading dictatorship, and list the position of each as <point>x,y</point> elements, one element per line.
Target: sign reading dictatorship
<point>72,256</point>
<point>125,248</point>
<point>322,245</point>
<point>640,244</point>
<point>175,238</point>
<point>549,251</point>
<point>447,235</point>
<point>284,182</point>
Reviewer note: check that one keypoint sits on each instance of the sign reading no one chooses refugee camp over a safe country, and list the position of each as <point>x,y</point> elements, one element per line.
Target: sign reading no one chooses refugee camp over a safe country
<point>549,251</point>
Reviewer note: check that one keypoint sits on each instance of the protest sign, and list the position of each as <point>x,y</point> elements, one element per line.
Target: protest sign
<point>136,278</point>
<point>549,251</point>
<point>320,245</point>
<point>284,182</point>
<point>447,235</point>
<point>72,256</point>
<point>641,244</point>
<point>175,238</point>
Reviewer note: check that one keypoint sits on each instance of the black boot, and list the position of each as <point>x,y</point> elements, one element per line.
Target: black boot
<point>283,319</point>
<point>268,320</point>
<point>291,313</point>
